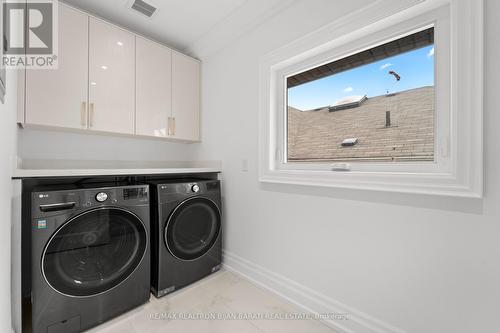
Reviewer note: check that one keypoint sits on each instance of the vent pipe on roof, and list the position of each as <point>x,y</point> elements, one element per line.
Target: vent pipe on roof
<point>387,118</point>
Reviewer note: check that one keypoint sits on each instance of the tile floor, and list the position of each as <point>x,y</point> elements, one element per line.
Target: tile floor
<point>223,293</point>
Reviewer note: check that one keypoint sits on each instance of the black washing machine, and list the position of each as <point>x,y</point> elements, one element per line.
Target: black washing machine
<point>186,233</point>
<point>90,255</point>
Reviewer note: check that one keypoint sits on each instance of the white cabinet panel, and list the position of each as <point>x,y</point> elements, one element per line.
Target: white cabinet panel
<point>186,97</point>
<point>58,97</point>
<point>153,88</point>
<point>112,78</point>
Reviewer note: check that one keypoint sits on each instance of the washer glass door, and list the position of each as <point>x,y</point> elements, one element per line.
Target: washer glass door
<point>193,228</point>
<point>94,252</point>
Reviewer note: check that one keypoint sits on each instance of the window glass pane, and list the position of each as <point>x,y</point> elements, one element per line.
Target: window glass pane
<point>376,105</point>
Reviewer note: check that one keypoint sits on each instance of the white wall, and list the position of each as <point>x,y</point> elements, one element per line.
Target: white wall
<point>420,263</point>
<point>46,145</point>
<point>7,158</point>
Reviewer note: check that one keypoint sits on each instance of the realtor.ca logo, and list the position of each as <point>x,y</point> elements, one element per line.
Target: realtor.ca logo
<point>30,34</point>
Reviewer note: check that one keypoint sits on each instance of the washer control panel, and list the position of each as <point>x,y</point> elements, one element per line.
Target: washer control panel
<point>135,193</point>
<point>54,202</point>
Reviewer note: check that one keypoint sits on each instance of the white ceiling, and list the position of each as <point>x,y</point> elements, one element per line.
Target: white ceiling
<point>187,25</point>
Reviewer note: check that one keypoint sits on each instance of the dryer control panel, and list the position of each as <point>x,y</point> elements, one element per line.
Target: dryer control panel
<point>168,192</point>
<point>54,202</point>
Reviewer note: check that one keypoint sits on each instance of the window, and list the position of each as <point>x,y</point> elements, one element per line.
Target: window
<point>375,105</point>
<point>390,102</point>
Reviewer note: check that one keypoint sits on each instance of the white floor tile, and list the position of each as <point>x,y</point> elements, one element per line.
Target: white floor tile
<point>223,302</point>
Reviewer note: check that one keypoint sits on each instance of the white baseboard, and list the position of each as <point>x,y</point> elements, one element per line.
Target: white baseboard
<point>307,299</point>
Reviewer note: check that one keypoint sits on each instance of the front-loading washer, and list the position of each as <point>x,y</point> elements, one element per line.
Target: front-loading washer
<point>90,255</point>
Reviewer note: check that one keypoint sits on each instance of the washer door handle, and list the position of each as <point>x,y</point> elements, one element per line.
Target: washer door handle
<point>58,206</point>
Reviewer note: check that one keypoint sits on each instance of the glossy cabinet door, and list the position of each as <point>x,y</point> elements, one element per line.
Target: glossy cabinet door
<point>153,88</point>
<point>185,97</point>
<point>58,97</point>
<point>112,78</point>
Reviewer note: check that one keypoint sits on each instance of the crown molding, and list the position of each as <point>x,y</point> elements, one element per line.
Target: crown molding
<point>242,21</point>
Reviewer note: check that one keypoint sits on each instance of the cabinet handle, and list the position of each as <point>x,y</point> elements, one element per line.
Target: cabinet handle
<point>83,114</point>
<point>169,126</point>
<point>173,126</point>
<point>91,118</point>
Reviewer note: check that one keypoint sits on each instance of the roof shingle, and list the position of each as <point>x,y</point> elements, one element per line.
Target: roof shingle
<point>318,135</point>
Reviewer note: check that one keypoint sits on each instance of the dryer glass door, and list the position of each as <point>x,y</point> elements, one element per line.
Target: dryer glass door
<point>94,252</point>
<point>192,228</point>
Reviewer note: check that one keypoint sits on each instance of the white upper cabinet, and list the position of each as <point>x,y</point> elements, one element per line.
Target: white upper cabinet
<point>112,78</point>
<point>185,97</point>
<point>153,88</point>
<point>58,97</point>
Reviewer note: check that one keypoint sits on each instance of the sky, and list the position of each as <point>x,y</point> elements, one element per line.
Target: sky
<point>416,69</point>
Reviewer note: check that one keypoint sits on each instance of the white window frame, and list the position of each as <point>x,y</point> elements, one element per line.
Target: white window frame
<point>457,169</point>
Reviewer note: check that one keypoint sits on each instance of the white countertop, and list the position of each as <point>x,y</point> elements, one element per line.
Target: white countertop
<point>63,168</point>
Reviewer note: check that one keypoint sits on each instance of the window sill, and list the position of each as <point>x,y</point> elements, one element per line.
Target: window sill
<point>428,184</point>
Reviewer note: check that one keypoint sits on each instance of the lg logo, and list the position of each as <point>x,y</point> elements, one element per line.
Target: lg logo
<point>29,27</point>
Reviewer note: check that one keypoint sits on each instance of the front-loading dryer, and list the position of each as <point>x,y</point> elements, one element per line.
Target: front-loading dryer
<point>186,233</point>
<point>90,255</point>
